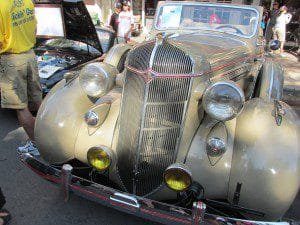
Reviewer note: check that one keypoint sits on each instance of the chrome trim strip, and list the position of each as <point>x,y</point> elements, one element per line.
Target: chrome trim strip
<point>118,195</point>
<point>138,152</point>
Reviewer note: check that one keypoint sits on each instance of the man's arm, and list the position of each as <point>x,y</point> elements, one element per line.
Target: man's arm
<point>1,40</point>
<point>288,18</point>
<point>1,32</point>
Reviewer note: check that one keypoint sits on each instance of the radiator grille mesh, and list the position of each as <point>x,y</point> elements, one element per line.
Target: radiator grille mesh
<point>151,117</point>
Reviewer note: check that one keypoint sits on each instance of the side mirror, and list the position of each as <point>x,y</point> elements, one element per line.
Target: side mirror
<point>274,45</point>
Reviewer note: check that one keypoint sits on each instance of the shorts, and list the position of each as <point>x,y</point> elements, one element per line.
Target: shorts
<point>279,34</point>
<point>19,80</point>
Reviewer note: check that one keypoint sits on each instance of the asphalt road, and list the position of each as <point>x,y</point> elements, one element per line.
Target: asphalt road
<point>33,201</point>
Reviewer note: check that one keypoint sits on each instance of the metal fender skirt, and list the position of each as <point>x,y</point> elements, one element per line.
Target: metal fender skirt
<point>138,206</point>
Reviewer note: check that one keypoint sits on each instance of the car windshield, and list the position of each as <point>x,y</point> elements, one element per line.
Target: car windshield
<point>230,19</point>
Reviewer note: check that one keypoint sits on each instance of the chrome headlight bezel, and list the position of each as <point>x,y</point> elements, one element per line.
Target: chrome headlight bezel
<point>220,106</point>
<point>94,80</point>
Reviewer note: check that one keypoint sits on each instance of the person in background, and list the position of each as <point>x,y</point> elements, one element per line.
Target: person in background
<point>214,19</point>
<point>19,79</point>
<point>4,214</point>
<point>94,11</point>
<point>114,19</point>
<point>264,20</point>
<point>271,22</point>
<point>280,26</point>
<point>125,23</point>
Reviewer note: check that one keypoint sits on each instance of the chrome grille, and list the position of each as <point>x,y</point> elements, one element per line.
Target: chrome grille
<point>160,131</point>
<point>130,122</point>
<point>171,60</point>
<point>139,58</point>
<point>151,118</point>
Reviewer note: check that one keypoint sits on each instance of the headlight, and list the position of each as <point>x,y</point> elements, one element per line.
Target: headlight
<point>94,80</point>
<point>99,158</point>
<point>223,100</point>
<point>178,177</point>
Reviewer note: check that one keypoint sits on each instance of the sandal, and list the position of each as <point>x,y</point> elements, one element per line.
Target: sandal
<point>6,218</point>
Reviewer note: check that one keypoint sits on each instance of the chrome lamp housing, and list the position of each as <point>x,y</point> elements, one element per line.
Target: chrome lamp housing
<point>223,100</point>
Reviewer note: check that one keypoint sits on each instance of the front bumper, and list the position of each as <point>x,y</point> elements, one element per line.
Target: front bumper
<point>138,206</point>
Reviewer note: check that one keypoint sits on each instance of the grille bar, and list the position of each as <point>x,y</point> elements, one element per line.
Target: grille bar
<point>160,131</point>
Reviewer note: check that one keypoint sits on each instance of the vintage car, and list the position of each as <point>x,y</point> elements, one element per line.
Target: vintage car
<point>67,38</point>
<point>192,131</point>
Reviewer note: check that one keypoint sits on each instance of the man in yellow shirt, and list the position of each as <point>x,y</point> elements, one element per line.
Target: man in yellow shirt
<point>19,80</point>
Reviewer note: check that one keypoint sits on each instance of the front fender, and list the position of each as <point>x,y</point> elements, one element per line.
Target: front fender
<point>117,56</point>
<point>271,81</point>
<point>103,134</point>
<point>58,121</point>
<point>266,159</point>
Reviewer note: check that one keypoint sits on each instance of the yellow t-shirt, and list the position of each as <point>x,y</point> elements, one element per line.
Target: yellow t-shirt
<point>17,26</point>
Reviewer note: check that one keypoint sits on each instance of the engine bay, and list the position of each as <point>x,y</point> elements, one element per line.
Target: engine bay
<point>49,62</point>
<point>57,56</point>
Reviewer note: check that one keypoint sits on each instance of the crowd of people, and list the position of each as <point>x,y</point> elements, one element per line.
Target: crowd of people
<point>274,24</point>
<point>122,21</point>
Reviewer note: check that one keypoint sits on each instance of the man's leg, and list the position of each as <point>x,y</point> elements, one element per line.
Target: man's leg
<point>268,34</point>
<point>281,37</point>
<point>16,88</point>
<point>2,199</point>
<point>34,92</point>
<point>27,121</point>
<point>34,89</point>
<point>4,214</point>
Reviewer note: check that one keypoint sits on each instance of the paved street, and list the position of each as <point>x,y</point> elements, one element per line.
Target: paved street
<point>34,201</point>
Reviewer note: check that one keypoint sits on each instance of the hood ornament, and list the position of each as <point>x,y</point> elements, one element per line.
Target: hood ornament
<point>159,38</point>
<point>163,36</point>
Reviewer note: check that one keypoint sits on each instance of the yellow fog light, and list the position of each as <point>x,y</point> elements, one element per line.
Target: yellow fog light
<point>178,177</point>
<point>99,158</point>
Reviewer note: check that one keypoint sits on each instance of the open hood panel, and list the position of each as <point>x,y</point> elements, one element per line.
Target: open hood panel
<point>77,23</point>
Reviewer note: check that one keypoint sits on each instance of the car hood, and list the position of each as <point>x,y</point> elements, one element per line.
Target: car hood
<point>78,24</point>
<point>215,49</point>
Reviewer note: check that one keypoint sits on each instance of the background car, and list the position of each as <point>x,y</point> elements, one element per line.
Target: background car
<point>192,131</point>
<point>67,38</point>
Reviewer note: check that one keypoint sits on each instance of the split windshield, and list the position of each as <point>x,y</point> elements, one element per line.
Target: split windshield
<point>235,20</point>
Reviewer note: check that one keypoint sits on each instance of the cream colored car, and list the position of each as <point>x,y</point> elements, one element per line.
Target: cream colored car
<point>193,131</point>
